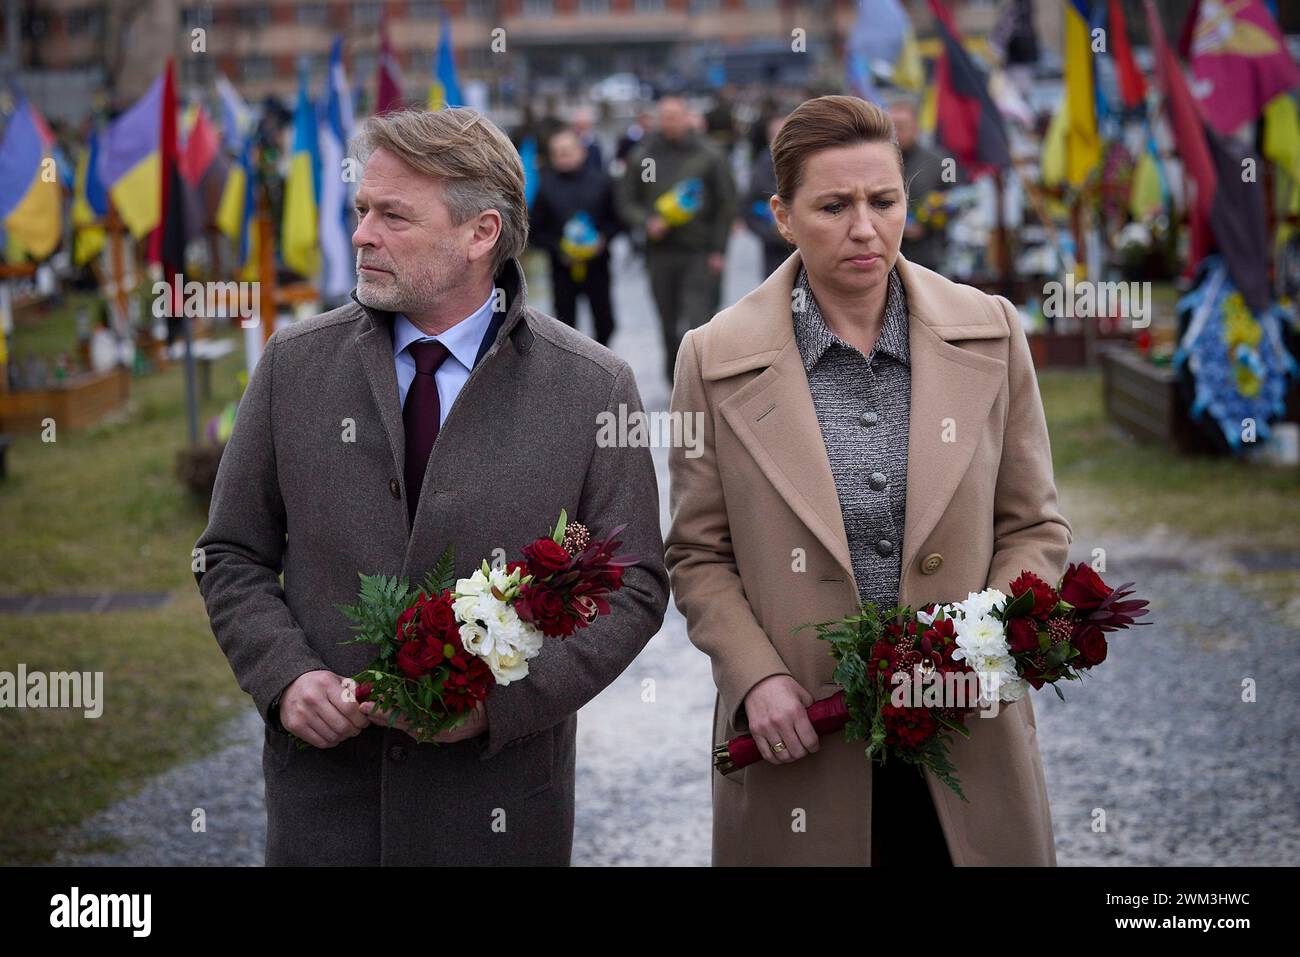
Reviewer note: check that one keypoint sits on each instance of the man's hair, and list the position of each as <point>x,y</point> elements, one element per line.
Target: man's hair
<point>468,154</point>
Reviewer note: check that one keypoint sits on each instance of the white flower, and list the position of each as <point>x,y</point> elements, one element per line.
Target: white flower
<point>980,604</point>
<point>492,629</point>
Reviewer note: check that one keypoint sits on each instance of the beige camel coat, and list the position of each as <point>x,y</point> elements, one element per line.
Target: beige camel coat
<point>981,506</point>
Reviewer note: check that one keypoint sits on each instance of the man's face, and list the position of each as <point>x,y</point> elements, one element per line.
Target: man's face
<point>674,118</point>
<point>566,153</point>
<point>409,255</point>
<point>905,123</point>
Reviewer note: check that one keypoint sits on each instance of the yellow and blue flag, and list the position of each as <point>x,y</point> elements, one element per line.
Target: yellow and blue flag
<point>31,209</point>
<point>299,236</point>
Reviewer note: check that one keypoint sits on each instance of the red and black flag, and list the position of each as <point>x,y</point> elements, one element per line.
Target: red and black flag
<point>1227,213</point>
<point>966,120</point>
<point>167,244</point>
<point>203,169</point>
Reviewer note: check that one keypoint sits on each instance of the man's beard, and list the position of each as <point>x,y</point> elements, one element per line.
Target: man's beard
<point>398,292</point>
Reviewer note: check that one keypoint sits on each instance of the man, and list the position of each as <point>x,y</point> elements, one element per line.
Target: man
<point>583,124</point>
<point>923,173</point>
<point>685,260</point>
<point>437,408</point>
<point>570,186</point>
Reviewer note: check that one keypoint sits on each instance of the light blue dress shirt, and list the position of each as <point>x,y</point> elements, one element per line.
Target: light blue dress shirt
<point>462,340</point>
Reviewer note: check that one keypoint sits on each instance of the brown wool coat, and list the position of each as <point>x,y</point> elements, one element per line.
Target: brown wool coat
<point>980,507</point>
<point>291,495</point>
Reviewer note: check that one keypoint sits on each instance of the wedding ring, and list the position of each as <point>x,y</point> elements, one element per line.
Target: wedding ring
<point>778,747</point>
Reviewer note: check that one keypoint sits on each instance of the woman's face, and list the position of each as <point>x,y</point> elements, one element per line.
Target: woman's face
<point>848,215</point>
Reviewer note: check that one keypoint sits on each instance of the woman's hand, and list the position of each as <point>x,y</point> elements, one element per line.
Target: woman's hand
<point>777,708</point>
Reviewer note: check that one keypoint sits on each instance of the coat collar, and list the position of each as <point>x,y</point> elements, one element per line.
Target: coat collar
<point>953,389</point>
<point>374,346</point>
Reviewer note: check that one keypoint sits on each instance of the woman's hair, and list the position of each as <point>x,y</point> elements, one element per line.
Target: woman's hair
<point>477,165</point>
<point>822,123</point>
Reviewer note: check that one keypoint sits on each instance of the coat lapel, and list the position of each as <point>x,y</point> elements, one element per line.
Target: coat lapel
<point>774,417</point>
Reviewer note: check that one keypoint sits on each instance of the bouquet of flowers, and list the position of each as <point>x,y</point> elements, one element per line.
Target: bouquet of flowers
<point>441,648</point>
<point>680,204</point>
<point>580,242</point>
<point>910,679</point>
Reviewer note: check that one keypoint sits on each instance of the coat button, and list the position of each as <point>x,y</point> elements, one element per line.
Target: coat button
<point>870,418</point>
<point>395,487</point>
<point>885,547</point>
<point>878,480</point>
<point>930,564</point>
<point>397,754</point>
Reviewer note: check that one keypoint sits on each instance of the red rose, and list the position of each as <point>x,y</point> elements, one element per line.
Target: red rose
<point>1091,644</point>
<point>363,691</point>
<point>545,557</point>
<point>463,689</point>
<point>437,617</point>
<point>907,727</point>
<point>405,618</point>
<point>543,608</point>
<point>1033,674</point>
<point>1022,634</point>
<point>1083,588</point>
<point>416,658</point>
<point>1045,597</point>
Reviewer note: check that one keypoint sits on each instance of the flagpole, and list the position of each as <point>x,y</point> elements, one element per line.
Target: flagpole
<point>266,263</point>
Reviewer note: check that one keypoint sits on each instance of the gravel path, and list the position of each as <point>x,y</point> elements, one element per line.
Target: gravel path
<point>1160,741</point>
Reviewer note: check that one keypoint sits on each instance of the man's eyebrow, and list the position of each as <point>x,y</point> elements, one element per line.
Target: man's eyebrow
<point>396,205</point>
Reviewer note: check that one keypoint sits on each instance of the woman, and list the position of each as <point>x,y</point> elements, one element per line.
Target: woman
<point>871,431</point>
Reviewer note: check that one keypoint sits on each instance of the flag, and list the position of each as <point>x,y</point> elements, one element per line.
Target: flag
<point>388,85</point>
<point>877,41</point>
<point>966,119</point>
<point>1082,143</point>
<point>31,201</point>
<point>235,210</point>
<point>1226,211</point>
<point>167,242</point>
<point>1132,86</point>
<point>236,117</point>
<point>338,264</point>
<point>1053,151</point>
<point>204,171</point>
<point>1239,61</point>
<point>129,162</point>
<point>1013,33</point>
<point>88,235</point>
<point>445,89</point>
<point>299,241</point>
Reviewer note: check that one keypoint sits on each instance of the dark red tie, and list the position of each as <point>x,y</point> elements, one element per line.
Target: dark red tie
<point>420,415</point>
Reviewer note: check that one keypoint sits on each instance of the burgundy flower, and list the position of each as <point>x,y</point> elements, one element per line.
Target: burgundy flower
<point>545,557</point>
<point>1022,634</point>
<point>1045,596</point>
<point>1091,642</point>
<point>418,657</point>
<point>1083,588</point>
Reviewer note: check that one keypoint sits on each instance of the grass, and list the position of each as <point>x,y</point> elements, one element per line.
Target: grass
<point>1124,485</point>
<point>95,509</point>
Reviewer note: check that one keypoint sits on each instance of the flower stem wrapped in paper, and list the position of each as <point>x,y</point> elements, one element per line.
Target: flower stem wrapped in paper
<point>441,648</point>
<point>910,679</point>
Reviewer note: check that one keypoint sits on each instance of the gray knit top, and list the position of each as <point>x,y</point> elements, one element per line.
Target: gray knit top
<point>863,405</point>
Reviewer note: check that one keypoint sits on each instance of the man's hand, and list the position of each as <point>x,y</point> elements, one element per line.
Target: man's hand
<point>474,725</point>
<point>316,709</point>
<point>656,227</point>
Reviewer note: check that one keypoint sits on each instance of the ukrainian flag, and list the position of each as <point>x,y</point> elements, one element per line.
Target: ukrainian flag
<point>31,210</point>
<point>1082,143</point>
<point>299,236</point>
<point>130,167</point>
<point>445,89</point>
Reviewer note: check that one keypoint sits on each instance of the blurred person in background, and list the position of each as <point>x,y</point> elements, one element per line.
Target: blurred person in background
<point>583,123</point>
<point>678,189</point>
<point>923,241</point>
<point>573,219</point>
<point>757,210</point>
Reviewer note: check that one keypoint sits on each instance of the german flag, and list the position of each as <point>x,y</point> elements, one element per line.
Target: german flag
<point>968,123</point>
